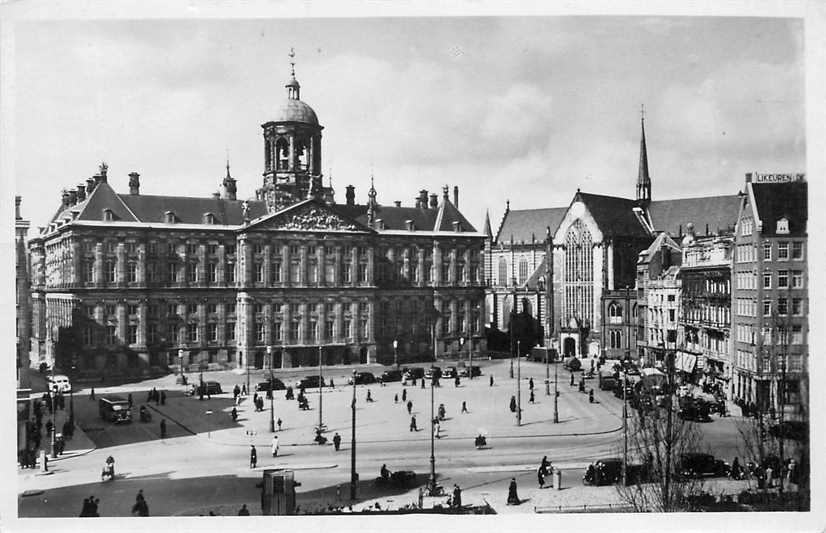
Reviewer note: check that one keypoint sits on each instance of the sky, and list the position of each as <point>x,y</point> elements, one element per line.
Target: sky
<point>521,108</point>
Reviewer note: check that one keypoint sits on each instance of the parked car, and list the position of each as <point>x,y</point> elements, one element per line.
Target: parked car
<point>694,409</point>
<point>449,372</point>
<point>60,381</point>
<point>264,386</point>
<point>603,472</point>
<point>362,378</point>
<point>607,380</point>
<point>571,363</point>
<point>416,372</point>
<point>696,465</point>
<point>790,429</point>
<point>212,387</point>
<point>391,375</point>
<point>433,371</point>
<point>309,382</point>
<point>466,371</point>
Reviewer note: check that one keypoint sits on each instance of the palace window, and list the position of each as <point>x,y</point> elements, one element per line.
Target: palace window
<point>132,334</point>
<point>782,306</point>
<point>767,307</point>
<point>767,280</point>
<point>260,333</point>
<point>213,273</point>
<point>503,271</point>
<point>259,273</point>
<point>230,333</point>
<point>362,273</point>
<point>132,310</point>
<point>132,272</point>
<point>192,332</point>
<point>229,249</point>
<point>192,272</point>
<point>229,308</point>
<point>797,306</point>
<point>172,333</point>
<point>294,331</point>
<point>523,271</point>
<point>111,335</point>
<point>295,272</point>
<point>782,226</point>
<point>229,272</point>
<point>348,329</point>
<point>276,272</point>
<point>88,272</point>
<point>783,250</point>
<point>797,250</point>
<point>212,308</point>
<point>276,332</point>
<point>152,333</point>
<point>172,272</point>
<point>110,271</point>
<point>782,279</point>
<point>767,251</point>
<point>614,313</point>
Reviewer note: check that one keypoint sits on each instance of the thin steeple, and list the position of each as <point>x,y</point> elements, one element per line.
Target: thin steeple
<point>487,231</point>
<point>643,179</point>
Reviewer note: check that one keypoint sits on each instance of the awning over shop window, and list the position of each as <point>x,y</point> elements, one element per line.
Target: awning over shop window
<point>685,362</point>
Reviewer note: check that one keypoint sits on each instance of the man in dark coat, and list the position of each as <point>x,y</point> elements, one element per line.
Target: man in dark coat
<point>243,511</point>
<point>163,428</point>
<point>513,498</point>
<point>404,395</point>
<point>163,397</point>
<point>413,424</point>
<point>337,441</point>
<point>409,406</point>
<point>457,496</point>
<point>513,404</point>
<point>253,456</point>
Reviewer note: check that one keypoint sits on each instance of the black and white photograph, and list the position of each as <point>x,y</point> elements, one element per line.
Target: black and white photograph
<point>499,262</point>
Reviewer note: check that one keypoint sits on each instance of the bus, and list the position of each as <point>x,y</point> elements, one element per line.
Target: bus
<point>114,409</point>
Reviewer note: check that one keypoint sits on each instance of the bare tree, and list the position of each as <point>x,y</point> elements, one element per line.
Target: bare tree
<point>657,438</point>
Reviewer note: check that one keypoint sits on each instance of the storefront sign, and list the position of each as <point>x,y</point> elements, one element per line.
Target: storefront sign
<point>778,178</point>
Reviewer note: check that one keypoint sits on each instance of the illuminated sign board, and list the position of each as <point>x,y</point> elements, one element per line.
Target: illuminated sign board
<point>777,178</point>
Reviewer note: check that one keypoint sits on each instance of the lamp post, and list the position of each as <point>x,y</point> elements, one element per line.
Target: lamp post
<point>556,396</point>
<point>548,370</point>
<point>181,366</point>
<point>320,391</point>
<point>396,353</point>
<point>272,392</point>
<point>518,384</point>
<point>461,347</point>
<point>353,475</point>
<point>432,483</point>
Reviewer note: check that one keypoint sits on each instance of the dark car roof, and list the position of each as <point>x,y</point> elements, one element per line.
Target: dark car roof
<point>609,460</point>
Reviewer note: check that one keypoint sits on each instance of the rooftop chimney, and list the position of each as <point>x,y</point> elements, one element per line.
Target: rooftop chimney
<point>64,199</point>
<point>397,203</point>
<point>434,201</point>
<point>90,186</point>
<point>72,197</point>
<point>445,193</point>
<point>81,192</point>
<point>456,196</point>
<point>17,200</point>
<point>350,195</point>
<point>134,183</point>
<point>422,200</point>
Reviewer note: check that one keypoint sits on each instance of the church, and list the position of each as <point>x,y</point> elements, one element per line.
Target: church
<point>575,265</point>
<point>134,283</point>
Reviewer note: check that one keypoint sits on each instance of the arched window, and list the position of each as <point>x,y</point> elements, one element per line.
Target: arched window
<point>578,274</point>
<point>108,215</point>
<point>282,152</point>
<point>616,339</point>
<point>169,217</point>
<point>303,153</point>
<point>614,313</point>
<point>268,154</point>
<point>523,271</point>
<point>503,271</point>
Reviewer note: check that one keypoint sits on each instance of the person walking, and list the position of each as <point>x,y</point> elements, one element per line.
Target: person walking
<point>413,424</point>
<point>274,446</point>
<point>253,456</point>
<point>236,391</point>
<point>234,414</point>
<point>513,497</point>
<point>530,383</point>
<point>438,428</point>
<point>456,381</point>
<point>369,396</point>
<point>396,398</point>
<point>163,397</point>
<point>409,406</point>
<point>141,508</point>
<point>163,428</point>
<point>491,380</point>
<point>404,394</point>
<point>540,477</point>
<point>244,389</point>
<point>92,394</point>
<point>337,441</point>
<point>464,406</point>
<point>457,496</point>
<point>279,424</point>
<point>531,399</point>
<point>513,404</point>
<point>243,511</point>
<point>572,379</point>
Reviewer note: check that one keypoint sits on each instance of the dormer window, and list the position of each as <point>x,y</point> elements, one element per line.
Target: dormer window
<point>209,218</point>
<point>782,226</point>
<point>169,217</point>
<point>108,215</point>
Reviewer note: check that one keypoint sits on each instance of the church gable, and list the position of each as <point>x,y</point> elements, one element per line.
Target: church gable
<point>308,216</point>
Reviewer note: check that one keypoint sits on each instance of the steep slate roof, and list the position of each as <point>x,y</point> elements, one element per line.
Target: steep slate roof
<point>776,200</point>
<point>613,215</point>
<point>663,239</point>
<point>719,212</point>
<point>533,281</point>
<point>395,218</point>
<point>102,197</point>
<point>190,210</point>
<point>524,224</point>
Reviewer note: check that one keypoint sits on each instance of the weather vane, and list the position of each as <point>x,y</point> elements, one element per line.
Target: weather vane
<point>292,60</point>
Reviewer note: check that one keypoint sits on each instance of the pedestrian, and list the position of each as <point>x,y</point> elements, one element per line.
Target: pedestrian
<point>274,446</point>
<point>244,389</point>
<point>491,380</point>
<point>404,394</point>
<point>531,399</point>
<point>140,508</point>
<point>337,441</point>
<point>255,400</point>
<point>437,428</point>
<point>92,394</point>
<point>234,414</point>
<point>369,396</point>
<point>396,398</point>
<point>530,383</point>
<point>456,381</point>
<point>513,404</point>
<point>129,399</point>
<point>513,498</point>
<point>572,379</point>
<point>163,428</point>
<point>163,397</point>
<point>540,477</point>
<point>279,424</point>
<point>464,407</point>
<point>236,391</point>
<point>545,464</point>
<point>332,386</point>
<point>243,511</point>
<point>422,382</point>
<point>413,424</point>
<point>457,496</point>
<point>409,406</point>
<point>253,456</point>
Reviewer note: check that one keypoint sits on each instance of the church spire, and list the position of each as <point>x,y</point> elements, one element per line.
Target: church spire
<point>488,233</point>
<point>643,179</point>
<point>228,186</point>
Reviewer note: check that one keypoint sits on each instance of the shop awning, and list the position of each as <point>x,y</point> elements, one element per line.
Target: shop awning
<point>685,362</point>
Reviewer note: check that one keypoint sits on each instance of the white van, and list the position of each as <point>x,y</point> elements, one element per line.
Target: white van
<point>61,382</point>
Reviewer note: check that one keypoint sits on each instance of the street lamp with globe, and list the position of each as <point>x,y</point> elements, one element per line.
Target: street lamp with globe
<point>461,346</point>
<point>180,379</point>
<point>271,392</point>
<point>396,353</point>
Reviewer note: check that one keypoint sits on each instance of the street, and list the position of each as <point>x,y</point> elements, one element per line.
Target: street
<point>203,464</point>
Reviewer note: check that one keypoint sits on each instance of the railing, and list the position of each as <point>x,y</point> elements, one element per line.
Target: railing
<point>585,508</point>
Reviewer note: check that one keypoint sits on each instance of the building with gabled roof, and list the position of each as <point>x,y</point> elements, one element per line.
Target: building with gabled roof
<point>131,283</point>
<point>596,240</point>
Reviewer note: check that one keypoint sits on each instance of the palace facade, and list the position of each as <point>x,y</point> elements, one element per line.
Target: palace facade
<point>131,282</point>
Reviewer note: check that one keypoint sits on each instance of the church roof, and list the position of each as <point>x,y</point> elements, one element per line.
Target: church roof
<point>613,215</point>
<point>526,224</point>
<point>718,212</point>
<point>777,200</point>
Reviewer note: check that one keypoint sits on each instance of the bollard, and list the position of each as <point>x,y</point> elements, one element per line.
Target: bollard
<point>44,461</point>
<point>557,478</point>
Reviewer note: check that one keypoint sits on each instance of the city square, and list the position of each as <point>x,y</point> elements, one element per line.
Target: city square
<point>413,266</point>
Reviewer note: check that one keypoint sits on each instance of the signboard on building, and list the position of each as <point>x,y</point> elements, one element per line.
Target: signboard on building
<point>758,177</point>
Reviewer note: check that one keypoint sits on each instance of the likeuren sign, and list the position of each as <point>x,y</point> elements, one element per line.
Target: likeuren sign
<point>758,177</point>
